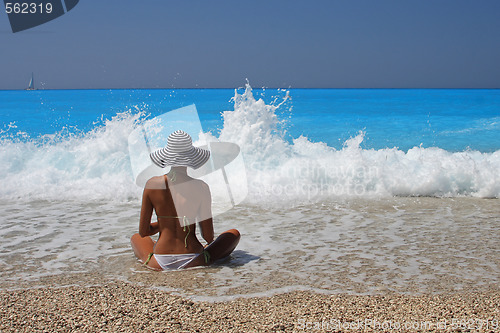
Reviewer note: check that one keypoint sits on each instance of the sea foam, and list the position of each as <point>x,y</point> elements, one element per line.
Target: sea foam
<point>95,165</point>
<point>305,170</point>
<point>78,166</point>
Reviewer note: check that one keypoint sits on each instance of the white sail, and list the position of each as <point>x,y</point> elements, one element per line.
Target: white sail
<point>31,86</point>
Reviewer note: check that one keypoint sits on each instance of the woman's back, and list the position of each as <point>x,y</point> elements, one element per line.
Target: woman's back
<point>179,202</point>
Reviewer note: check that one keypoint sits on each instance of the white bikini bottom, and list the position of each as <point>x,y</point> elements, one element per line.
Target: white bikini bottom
<point>173,261</point>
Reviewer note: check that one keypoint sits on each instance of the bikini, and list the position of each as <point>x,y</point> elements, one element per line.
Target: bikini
<point>172,261</point>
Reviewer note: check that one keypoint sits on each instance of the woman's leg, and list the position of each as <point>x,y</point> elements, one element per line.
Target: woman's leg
<point>218,249</point>
<point>142,246</point>
<point>226,242</point>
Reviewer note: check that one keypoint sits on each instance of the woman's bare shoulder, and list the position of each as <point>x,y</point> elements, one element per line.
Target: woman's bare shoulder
<point>199,185</point>
<point>156,183</point>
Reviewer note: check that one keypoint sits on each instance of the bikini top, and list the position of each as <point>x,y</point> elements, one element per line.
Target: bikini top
<point>185,220</point>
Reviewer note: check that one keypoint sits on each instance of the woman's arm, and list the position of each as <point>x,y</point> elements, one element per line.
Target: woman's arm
<point>146,228</point>
<point>205,215</point>
<point>154,228</point>
<point>207,230</point>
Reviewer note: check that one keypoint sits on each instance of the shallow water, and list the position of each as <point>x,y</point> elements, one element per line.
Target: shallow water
<point>361,246</point>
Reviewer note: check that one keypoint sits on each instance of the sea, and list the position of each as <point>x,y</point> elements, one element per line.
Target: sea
<point>358,191</point>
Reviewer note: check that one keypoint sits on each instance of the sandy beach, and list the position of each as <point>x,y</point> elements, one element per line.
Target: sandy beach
<point>124,307</point>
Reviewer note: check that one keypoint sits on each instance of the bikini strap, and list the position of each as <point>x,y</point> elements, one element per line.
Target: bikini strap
<point>149,258</point>
<point>172,176</point>
<point>206,255</point>
<point>185,220</point>
<point>185,224</point>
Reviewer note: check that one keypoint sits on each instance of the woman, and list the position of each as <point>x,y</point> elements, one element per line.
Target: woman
<point>179,202</point>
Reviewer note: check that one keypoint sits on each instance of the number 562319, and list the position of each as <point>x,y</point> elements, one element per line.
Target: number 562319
<point>28,8</point>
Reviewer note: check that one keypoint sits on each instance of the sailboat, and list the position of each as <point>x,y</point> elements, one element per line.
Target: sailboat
<point>32,84</point>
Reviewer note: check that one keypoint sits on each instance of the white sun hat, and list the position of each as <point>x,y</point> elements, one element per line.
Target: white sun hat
<point>180,152</point>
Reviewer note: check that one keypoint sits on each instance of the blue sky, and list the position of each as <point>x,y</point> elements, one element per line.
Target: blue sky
<point>272,43</point>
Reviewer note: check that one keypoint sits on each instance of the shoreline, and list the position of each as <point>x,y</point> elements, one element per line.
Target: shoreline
<point>122,306</point>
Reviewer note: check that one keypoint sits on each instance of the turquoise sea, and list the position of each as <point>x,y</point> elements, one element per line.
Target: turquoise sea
<point>348,190</point>
<point>454,120</point>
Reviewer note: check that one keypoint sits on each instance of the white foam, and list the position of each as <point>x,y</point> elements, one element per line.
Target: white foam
<point>95,166</point>
<point>89,166</point>
<point>305,170</point>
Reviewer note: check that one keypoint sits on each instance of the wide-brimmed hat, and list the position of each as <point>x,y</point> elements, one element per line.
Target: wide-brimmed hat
<point>180,152</point>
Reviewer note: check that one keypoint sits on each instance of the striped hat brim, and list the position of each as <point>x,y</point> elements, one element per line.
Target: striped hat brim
<point>194,157</point>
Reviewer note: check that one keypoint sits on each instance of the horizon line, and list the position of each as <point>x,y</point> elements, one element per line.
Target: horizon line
<point>242,87</point>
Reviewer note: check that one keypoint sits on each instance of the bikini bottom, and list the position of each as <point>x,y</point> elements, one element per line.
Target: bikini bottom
<point>174,261</point>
